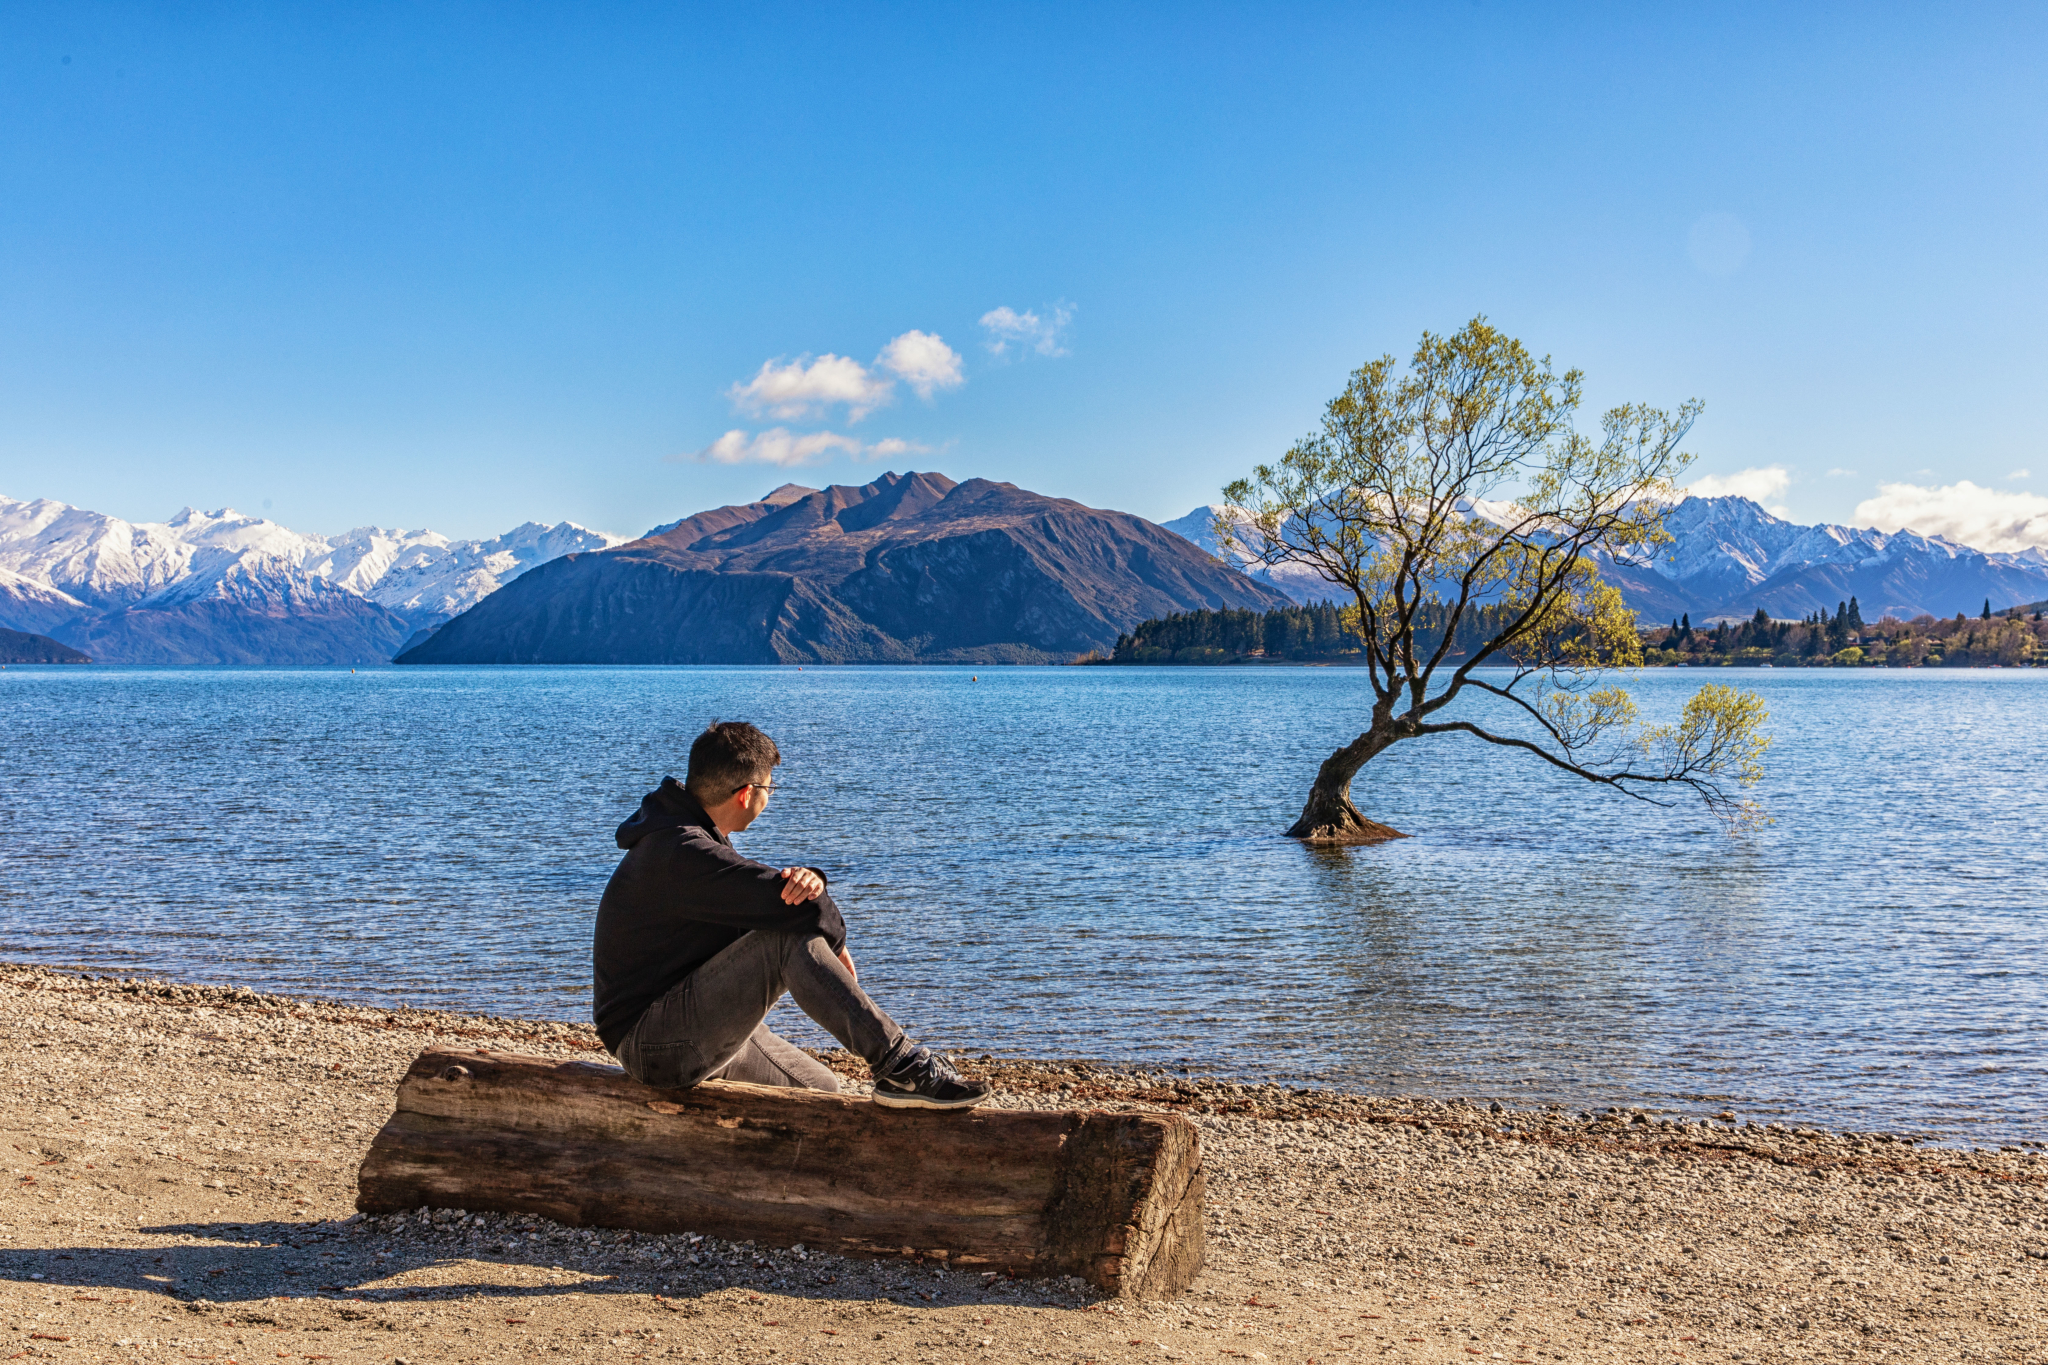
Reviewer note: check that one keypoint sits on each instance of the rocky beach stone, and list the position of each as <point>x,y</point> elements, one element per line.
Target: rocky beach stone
<point>181,1185</point>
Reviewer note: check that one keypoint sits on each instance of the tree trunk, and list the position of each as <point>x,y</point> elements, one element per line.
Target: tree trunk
<point>1113,1198</point>
<point>1329,817</point>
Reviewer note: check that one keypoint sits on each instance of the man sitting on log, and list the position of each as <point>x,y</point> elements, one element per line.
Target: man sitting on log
<point>695,944</point>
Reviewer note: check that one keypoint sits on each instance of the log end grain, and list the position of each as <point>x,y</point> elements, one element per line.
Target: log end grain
<point>1130,1204</point>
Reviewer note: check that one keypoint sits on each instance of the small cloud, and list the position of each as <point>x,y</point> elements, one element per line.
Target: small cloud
<point>776,446</point>
<point>787,449</point>
<point>1027,330</point>
<point>1984,518</point>
<point>892,446</point>
<point>805,387</point>
<point>2020,474</point>
<point>1758,485</point>
<point>923,361</point>
<point>1841,473</point>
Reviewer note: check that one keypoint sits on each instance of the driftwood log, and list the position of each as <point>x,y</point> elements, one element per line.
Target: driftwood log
<point>1113,1198</point>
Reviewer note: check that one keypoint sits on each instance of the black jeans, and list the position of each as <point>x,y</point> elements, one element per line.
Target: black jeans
<point>709,1026</point>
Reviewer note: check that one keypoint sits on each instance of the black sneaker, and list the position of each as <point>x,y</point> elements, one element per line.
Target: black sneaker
<point>925,1080</point>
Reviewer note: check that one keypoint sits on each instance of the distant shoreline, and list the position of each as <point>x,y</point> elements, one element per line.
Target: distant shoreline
<point>1322,634</point>
<point>1254,661</point>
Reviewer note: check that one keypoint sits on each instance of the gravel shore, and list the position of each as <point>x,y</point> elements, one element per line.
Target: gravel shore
<point>182,1183</point>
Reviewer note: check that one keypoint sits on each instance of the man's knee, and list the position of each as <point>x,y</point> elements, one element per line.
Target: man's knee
<point>784,939</point>
<point>771,1060</point>
<point>789,945</point>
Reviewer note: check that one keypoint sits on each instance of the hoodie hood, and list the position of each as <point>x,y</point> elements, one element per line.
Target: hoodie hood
<point>666,807</point>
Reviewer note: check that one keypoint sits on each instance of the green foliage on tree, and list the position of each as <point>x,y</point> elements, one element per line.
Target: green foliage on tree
<point>1461,486</point>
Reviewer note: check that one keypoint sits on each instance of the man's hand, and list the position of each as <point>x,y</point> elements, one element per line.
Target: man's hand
<point>800,884</point>
<point>846,957</point>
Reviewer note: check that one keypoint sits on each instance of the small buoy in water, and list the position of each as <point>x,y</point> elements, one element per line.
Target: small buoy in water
<point>975,678</point>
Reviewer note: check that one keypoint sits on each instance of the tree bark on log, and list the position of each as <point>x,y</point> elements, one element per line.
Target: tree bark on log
<point>1113,1198</point>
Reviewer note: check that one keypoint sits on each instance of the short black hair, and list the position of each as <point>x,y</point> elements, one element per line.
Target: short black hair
<point>727,756</point>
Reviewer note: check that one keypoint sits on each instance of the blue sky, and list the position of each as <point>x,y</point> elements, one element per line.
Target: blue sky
<point>466,266</point>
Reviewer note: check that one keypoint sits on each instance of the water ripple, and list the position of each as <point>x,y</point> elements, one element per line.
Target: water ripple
<point>1085,862</point>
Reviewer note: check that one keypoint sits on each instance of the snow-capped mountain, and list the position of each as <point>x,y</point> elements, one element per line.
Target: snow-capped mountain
<point>220,587</point>
<point>26,604</point>
<point>1298,581</point>
<point>428,585</point>
<point>1728,556</point>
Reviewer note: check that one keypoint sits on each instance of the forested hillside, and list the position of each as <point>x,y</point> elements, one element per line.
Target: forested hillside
<point>2012,638</point>
<point>1297,634</point>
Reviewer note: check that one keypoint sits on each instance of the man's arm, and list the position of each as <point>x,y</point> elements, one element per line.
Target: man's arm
<point>800,884</point>
<point>709,881</point>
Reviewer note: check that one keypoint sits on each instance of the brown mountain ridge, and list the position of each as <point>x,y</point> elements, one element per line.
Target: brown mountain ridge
<point>909,568</point>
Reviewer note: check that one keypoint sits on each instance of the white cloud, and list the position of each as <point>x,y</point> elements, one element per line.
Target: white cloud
<point>804,387</point>
<point>776,446</point>
<point>1758,485</point>
<point>1985,518</point>
<point>2021,474</point>
<point>787,449</point>
<point>1027,330</point>
<point>1839,473</point>
<point>892,446</point>
<point>922,361</point>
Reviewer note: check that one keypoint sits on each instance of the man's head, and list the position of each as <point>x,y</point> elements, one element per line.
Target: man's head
<point>731,764</point>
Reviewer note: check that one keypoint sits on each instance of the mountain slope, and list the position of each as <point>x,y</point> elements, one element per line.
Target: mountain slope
<point>909,567</point>
<point>24,647</point>
<point>254,611</point>
<point>33,606</point>
<point>1729,556</point>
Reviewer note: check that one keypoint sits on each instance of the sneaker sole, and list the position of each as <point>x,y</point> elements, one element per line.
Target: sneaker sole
<point>922,1102</point>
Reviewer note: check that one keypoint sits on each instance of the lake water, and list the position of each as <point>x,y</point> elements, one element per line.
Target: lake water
<point>1086,862</point>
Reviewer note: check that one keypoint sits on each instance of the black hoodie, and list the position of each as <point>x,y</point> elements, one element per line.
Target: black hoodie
<point>680,896</point>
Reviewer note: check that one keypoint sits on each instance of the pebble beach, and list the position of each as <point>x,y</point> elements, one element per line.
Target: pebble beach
<point>181,1186</point>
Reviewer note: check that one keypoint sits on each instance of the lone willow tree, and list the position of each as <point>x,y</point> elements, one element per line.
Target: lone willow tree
<point>1464,516</point>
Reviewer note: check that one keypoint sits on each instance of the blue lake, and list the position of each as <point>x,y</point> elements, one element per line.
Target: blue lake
<point>1086,862</point>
